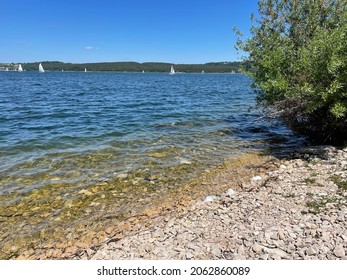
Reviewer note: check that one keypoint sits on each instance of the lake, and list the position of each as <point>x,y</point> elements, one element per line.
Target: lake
<point>74,146</point>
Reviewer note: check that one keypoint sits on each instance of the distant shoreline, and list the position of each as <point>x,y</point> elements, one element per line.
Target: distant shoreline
<point>128,72</point>
<point>211,67</point>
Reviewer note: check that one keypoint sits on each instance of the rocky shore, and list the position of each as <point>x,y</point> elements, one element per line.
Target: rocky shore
<point>288,208</point>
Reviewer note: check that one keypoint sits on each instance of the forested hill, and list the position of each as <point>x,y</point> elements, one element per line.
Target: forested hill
<point>213,67</point>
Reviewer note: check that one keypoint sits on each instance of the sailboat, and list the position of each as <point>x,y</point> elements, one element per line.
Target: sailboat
<point>85,69</point>
<point>172,72</point>
<point>41,70</point>
<point>20,69</point>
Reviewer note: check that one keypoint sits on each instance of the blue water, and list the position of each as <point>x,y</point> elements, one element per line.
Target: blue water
<point>80,128</point>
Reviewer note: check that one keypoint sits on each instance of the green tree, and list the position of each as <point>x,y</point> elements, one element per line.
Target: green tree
<point>298,57</point>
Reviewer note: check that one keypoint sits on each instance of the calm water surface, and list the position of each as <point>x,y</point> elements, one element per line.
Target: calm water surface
<point>64,133</point>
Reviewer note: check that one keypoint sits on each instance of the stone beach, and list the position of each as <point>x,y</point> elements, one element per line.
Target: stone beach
<point>292,207</point>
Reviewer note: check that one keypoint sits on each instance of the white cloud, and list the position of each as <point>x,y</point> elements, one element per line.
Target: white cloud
<point>90,48</point>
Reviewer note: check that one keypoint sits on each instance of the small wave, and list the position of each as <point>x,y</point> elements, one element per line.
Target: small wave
<point>181,124</point>
<point>225,132</point>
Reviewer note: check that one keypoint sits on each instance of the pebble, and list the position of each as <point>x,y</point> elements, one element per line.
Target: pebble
<point>311,251</point>
<point>185,161</point>
<point>264,257</point>
<point>122,176</point>
<point>256,178</point>
<point>339,251</point>
<point>257,248</point>
<point>209,198</point>
<point>272,221</point>
<point>216,252</point>
<point>281,235</point>
<point>230,193</point>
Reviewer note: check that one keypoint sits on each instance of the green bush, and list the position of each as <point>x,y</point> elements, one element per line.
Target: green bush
<point>298,54</point>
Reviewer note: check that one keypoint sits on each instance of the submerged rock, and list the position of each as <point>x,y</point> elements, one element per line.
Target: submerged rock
<point>185,161</point>
<point>157,155</point>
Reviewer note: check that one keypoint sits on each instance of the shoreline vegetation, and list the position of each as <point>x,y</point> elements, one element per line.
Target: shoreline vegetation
<point>297,52</point>
<point>212,67</point>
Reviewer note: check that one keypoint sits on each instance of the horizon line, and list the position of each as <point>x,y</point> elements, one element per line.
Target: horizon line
<point>129,61</point>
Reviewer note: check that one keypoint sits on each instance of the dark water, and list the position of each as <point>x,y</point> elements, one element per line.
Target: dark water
<point>66,138</point>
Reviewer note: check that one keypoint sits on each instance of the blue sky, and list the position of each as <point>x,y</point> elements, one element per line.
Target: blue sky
<point>179,31</point>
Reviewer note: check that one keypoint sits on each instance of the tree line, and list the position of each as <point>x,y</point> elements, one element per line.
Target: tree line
<point>212,67</point>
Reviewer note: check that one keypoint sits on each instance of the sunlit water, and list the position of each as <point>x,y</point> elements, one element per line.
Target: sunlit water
<point>66,132</point>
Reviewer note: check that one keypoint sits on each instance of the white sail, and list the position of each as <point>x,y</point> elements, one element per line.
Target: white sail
<point>20,69</point>
<point>172,72</point>
<point>85,69</point>
<point>41,70</point>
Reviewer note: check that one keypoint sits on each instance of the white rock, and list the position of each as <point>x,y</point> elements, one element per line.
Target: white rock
<point>256,178</point>
<point>230,192</point>
<point>282,254</point>
<point>216,251</point>
<point>339,251</point>
<point>185,161</point>
<point>275,256</point>
<point>264,257</point>
<point>189,255</point>
<point>272,173</point>
<point>312,251</point>
<point>209,198</point>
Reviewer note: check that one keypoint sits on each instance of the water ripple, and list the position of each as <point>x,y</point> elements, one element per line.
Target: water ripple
<point>107,123</point>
